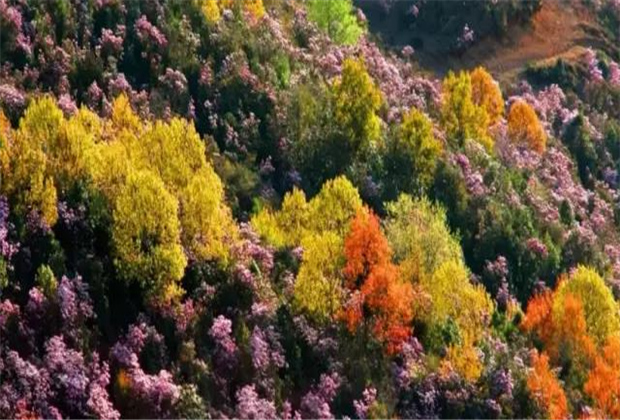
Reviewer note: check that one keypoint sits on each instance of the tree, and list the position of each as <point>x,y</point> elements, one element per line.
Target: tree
<point>461,117</point>
<point>207,226</point>
<point>412,154</point>
<point>379,296</point>
<point>28,162</point>
<point>356,102</point>
<point>599,307</point>
<point>318,288</point>
<point>454,298</point>
<point>538,316</point>
<point>173,151</point>
<point>579,142</point>
<point>365,248</point>
<point>389,303</point>
<point>333,208</point>
<point>211,10</point>
<point>420,238</point>
<point>546,389</point>
<point>524,127</point>
<point>603,384</point>
<point>487,94</point>
<point>146,235</point>
<point>337,19</point>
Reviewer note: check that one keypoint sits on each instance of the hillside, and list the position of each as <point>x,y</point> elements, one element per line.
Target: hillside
<point>302,209</point>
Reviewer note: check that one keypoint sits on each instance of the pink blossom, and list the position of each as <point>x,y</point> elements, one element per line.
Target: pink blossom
<point>614,73</point>
<point>594,72</point>
<point>149,34</point>
<point>251,406</point>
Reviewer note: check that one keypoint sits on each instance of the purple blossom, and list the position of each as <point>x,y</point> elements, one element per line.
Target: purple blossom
<point>225,346</point>
<point>149,34</point>
<point>594,72</point>
<point>118,85</point>
<point>156,393</point>
<point>251,253</point>
<point>12,99</point>
<point>407,51</point>
<point>67,104</point>
<point>408,364</point>
<point>614,74</point>
<point>497,268</point>
<point>174,80</point>
<point>94,94</point>
<point>83,387</point>
<point>315,404</point>
<point>111,43</point>
<point>369,397</point>
<point>7,247</point>
<point>251,406</point>
<point>473,178</point>
<point>536,246</point>
<point>259,349</point>
<point>502,383</point>
<point>466,38</point>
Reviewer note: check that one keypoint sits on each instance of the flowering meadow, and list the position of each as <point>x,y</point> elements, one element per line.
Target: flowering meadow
<point>260,209</point>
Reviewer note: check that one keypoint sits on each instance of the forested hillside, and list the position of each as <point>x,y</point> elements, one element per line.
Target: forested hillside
<point>293,209</point>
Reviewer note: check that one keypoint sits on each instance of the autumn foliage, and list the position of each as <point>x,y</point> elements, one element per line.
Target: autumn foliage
<point>378,295</point>
<point>603,383</point>
<point>487,94</point>
<point>524,127</point>
<point>546,389</point>
<point>560,325</point>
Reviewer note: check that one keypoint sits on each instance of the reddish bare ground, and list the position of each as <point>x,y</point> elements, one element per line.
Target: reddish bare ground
<point>559,29</point>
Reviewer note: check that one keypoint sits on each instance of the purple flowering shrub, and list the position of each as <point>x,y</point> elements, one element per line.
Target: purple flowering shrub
<point>257,80</point>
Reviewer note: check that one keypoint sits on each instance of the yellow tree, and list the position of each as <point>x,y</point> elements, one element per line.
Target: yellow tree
<point>487,94</point>
<point>357,99</point>
<point>454,297</point>
<point>28,164</point>
<point>208,228</point>
<point>146,235</point>
<point>174,153</point>
<point>334,207</point>
<point>599,307</point>
<point>461,117</point>
<point>211,10</point>
<point>318,288</point>
<point>524,127</point>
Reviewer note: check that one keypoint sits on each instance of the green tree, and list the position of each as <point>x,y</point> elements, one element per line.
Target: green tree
<point>420,237</point>
<point>412,155</point>
<point>337,19</point>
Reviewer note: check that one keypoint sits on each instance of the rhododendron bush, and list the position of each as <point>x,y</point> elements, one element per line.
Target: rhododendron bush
<point>260,209</point>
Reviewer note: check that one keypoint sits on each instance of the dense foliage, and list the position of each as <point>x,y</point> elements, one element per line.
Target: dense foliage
<point>215,208</point>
